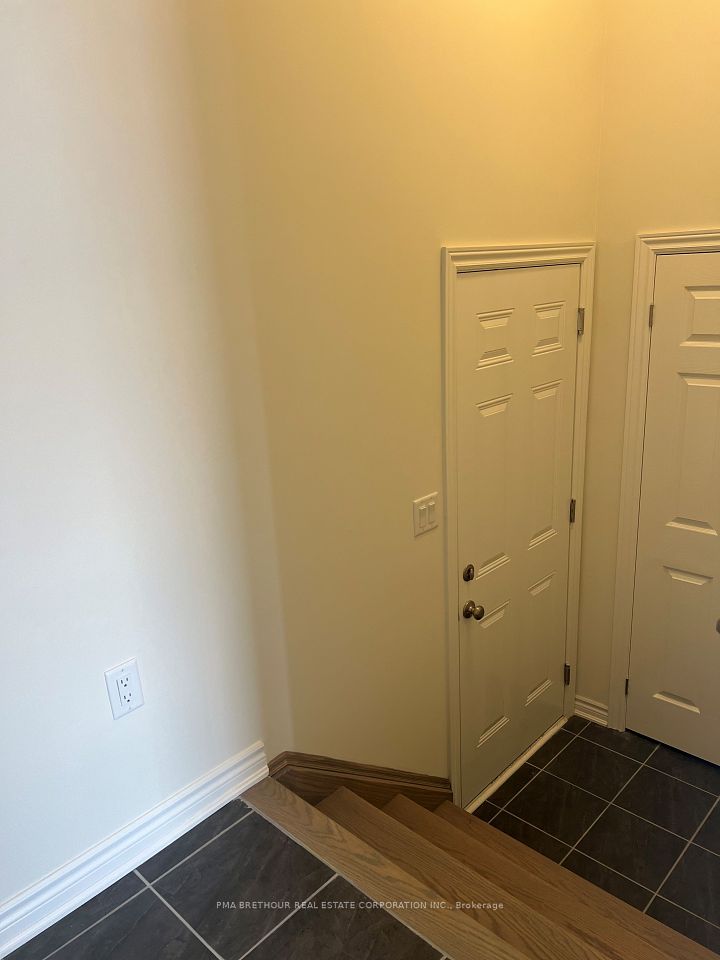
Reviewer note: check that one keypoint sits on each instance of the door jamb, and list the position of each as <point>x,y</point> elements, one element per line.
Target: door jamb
<point>456,261</point>
<point>648,247</point>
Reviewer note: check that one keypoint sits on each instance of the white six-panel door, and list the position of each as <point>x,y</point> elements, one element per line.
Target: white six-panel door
<point>516,342</point>
<point>675,647</point>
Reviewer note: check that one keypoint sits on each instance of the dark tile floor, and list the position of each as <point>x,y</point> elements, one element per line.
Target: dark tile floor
<point>186,903</point>
<point>634,817</point>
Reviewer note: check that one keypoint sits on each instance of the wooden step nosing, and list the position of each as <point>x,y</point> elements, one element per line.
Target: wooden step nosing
<point>520,924</point>
<point>579,919</point>
<point>448,931</point>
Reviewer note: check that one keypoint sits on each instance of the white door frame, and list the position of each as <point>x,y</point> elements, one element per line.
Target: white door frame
<point>456,261</point>
<point>648,247</point>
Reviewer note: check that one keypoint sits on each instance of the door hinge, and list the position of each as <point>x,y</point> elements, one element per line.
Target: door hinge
<point>627,685</point>
<point>581,321</point>
<point>573,507</point>
<point>651,315</point>
<point>567,674</point>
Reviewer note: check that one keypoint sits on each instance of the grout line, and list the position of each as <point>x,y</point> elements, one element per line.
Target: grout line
<point>584,789</point>
<point>90,926</point>
<point>573,736</point>
<point>52,953</point>
<point>197,850</point>
<point>582,854</point>
<point>706,849</point>
<point>682,854</point>
<point>652,823</point>
<point>180,918</point>
<point>650,767</point>
<point>291,914</point>
<point>608,805</point>
<point>353,883</point>
<point>655,893</point>
<point>590,792</point>
<point>611,869</point>
<point>685,910</point>
<point>539,830</point>
<point>606,867</point>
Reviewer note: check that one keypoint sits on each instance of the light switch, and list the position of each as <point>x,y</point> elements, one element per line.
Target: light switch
<point>425,513</point>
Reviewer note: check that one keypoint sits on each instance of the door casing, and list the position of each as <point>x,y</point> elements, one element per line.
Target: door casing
<point>648,247</point>
<point>457,261</point>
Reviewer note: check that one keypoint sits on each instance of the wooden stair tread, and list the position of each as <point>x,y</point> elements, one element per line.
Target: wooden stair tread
<point>450,931</point>
<point>529,887</point>
<point>572,896</point>
<point>528,931</point>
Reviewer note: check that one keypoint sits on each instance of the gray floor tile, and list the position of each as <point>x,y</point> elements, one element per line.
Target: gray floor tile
<point>709,836</point>
<point>252,862</point>
<point>355,931</point>
<point>513,785</point>
<point>530,836</point>
<point>551,748</point>
<point>486,811</point>
<point>610,881</point>
<point>190,841</point>
<point>74,923</point>
<point>668,802</point>
<point>593,768</point>
<point>144,929</point>
<point>695,884</point>
<point>691,769</point>
<point>557,807</point>
<point>575,724</point>
<point>685,923</point>
<point>639,850</point>
<point>633,745</point>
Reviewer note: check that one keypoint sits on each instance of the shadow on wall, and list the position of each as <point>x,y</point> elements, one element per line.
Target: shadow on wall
<point>212,100</point>
<point>308,212</point>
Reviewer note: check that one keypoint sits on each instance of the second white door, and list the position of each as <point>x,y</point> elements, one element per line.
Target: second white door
<point>516,346</point>
<point>675,652</point>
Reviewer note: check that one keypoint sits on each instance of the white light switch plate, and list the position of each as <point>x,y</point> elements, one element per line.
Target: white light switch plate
<point>425,513</point>
<point>124,689</point>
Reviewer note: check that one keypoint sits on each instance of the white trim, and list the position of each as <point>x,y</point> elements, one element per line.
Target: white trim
<point>456,261</point>
<point>591,710</point>
<point>648,248</point>
<point>506,774</point>
<point>77,881</point>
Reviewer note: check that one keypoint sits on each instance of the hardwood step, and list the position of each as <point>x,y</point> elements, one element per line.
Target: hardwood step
<point>569,896</point>
<point>532,934</point>
<point>530,887</point>
<point>450,931</point>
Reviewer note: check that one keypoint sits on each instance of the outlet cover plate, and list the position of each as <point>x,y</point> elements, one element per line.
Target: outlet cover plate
<point>124,688</point>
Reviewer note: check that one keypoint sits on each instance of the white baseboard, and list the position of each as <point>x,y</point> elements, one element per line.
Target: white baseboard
<point>591,710</point>
<point>77,881</point>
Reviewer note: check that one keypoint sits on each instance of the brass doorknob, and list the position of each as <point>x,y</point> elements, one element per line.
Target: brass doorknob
<point>472,609</point>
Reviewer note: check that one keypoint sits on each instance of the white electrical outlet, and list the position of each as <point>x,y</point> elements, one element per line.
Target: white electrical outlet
<point>425,514</point>
<point>124,689</point>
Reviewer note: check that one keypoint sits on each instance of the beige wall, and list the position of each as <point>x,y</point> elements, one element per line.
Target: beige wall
<point>660,171</point>
<point>221,364</point>
<point>211,443</point>
<point>132,488</point>
<point>371,133</point>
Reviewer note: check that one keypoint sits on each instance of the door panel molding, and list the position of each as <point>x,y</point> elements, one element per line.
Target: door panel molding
<point>455,262</point>
<point>648,247</point>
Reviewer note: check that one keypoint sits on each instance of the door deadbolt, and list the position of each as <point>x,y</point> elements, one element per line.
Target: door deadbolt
<point>473,610</point>
<point>469,573</point>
